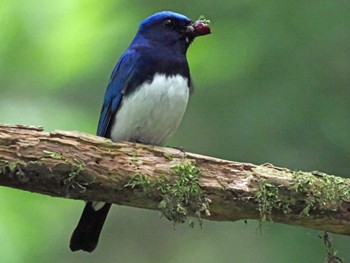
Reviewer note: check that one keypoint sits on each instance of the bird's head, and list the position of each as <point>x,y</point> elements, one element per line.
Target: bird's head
<point>168,28</point>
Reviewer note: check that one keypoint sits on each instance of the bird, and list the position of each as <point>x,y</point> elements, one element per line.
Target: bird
<point>145,99</point>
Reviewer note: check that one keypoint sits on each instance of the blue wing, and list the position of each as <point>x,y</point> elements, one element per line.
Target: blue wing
<point>121,78</point>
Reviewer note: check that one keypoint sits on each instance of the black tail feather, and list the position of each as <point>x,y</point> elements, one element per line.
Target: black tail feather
<point>86,234</point>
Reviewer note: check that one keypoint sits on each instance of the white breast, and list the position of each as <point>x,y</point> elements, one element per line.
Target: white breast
<point>152,113</point>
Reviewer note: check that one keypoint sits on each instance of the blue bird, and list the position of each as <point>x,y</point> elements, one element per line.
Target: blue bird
<point>145,99</point>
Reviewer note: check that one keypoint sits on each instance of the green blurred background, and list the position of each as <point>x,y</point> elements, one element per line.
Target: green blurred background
<point>272,85</point>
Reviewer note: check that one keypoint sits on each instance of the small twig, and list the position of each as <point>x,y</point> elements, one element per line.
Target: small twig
<point>331,256</point>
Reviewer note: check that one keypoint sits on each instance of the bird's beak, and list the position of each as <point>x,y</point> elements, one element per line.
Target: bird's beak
<point>198,28</point>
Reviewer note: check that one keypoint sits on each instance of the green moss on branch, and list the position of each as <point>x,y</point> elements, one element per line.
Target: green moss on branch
<point>180,196</point>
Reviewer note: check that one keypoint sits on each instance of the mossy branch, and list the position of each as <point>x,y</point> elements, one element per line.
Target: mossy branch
<point>80,166</point>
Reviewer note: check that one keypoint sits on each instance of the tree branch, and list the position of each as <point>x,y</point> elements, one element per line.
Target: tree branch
<point>80,166</point>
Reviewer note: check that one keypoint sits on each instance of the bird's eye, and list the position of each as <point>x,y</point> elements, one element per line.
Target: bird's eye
<point>169,23</point>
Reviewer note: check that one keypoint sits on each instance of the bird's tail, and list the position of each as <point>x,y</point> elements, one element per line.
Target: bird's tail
<point>86,234</point>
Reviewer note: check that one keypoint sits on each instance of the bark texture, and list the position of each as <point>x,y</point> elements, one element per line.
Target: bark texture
<point>81,166</point>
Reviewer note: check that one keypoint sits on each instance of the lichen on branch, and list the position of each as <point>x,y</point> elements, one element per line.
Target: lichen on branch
<point>179,193</point>
<point>81,166</point>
